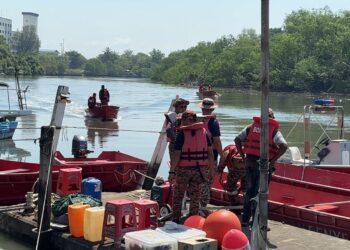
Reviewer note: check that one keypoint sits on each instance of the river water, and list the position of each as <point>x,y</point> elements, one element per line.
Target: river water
<point>142,104</point>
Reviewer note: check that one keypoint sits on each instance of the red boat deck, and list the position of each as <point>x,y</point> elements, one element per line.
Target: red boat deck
<point>115,170</point>
<point>304,204</point>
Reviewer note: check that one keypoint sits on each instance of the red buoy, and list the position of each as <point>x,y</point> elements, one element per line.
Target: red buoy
<point>219,223</point>
<point>235,240</point>
<point>195,221</point>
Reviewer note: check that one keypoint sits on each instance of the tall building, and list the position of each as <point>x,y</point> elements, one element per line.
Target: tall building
<point>6,29</point>
<point>30,19</point>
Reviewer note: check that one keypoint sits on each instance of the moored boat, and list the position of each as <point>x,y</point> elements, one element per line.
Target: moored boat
<point>308,205</point>
<point>7,128</point>
<point>104,112</point>
<point>333,153</point>
<point>116,171</point>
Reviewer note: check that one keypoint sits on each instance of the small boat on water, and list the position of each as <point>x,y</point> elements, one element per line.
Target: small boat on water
<point>104,112</point>
<point>207,94</point>
<point>7,128</point>
<point>116,171</point>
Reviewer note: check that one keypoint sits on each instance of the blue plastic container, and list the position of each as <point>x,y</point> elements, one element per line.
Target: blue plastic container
<point>92,187</point>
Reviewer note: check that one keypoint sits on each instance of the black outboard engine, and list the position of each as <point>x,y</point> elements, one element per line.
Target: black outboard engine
<point>79,147</point>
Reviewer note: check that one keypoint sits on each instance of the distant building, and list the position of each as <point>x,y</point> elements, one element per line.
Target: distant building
<point>30,19</point>
<point>6,29</point>
<point>49,52</point>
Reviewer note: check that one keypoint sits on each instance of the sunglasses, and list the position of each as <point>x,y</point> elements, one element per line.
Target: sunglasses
<point>208,103</point>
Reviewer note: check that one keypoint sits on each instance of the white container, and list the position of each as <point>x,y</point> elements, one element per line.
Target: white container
<point>148,240</point>
<point>180,232</point>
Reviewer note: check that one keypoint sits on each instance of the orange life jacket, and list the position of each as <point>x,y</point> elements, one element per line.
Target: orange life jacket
<point>92,99</point>
<point>105,94</point>
<point>195,149</point>
<point>233,159</point>
<point>252,146</point>
<point>91,102</point>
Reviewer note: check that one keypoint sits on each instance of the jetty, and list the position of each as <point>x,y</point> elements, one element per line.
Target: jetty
<point>281,236</point>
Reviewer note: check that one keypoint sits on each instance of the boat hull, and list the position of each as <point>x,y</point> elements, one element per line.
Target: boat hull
<point>312,206</point>
<point>207,94</point>
<point>104,112</point>
<point>7,129</point>
<point>115,170</point>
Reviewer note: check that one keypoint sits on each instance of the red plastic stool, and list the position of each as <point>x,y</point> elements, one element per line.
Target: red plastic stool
<point>143,211</point>
<point>69,181</point>
<point>119,218</point>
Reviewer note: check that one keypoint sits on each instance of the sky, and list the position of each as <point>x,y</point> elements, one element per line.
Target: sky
<point>90,26</point>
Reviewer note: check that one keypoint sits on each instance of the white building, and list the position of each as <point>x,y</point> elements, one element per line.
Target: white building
<point>30,19</point>
<point>6,29</point>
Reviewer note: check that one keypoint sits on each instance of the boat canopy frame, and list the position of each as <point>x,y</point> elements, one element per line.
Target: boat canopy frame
<point>309,111</point>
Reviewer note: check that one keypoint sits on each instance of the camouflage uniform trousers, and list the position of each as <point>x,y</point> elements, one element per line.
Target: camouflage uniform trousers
<point>171,148</point>
<point>187,179</point>
<point>233,176</point>
<point>205,188</point>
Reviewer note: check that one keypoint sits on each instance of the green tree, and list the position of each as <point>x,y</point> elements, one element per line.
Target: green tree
<point>76,60</point>
<point>26,41</point>
<point>94,67</point>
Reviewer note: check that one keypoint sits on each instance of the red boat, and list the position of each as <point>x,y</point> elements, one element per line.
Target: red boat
<point>105,112</point>
<point>309,205</point>
<point>114,169</point>
<point>207,94</point>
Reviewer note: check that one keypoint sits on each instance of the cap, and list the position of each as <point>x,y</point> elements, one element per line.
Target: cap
<point>180,101</point>
<point>208,103</point>
<point>271,115</point>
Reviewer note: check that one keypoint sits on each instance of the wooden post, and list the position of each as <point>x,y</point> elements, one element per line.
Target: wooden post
<point>48,145</point>
<point>157,156</point>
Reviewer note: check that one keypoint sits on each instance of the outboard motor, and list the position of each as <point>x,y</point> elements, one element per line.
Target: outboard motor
<point>79,147</point>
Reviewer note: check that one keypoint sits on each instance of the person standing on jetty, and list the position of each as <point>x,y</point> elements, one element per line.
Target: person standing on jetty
<point>104,95</point>
<point>250,138</point>
<point>180,106</point>
<point>211,124</point>
<point>192,160</point>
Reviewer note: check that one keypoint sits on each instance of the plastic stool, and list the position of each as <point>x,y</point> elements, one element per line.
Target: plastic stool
<point>143,211</point>
<point>119,218</point>
<point>69,181</point>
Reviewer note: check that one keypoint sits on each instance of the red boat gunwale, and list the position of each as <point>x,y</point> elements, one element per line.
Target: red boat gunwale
<point>116,171</point>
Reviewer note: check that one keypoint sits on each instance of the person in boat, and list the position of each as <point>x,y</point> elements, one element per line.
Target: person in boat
<point>250,153</point>
<point>236,172</point>
<point>211,124</point>
<point>92,101</point>
<point>192,157</point>
<point>200,89</point>
<point>173,119</point>
<point>104,95</point>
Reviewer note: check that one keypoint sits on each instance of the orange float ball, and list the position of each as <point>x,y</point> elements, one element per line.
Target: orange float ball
<point>195,221</point>
<point>235,240</point>
<point>219,223</point>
